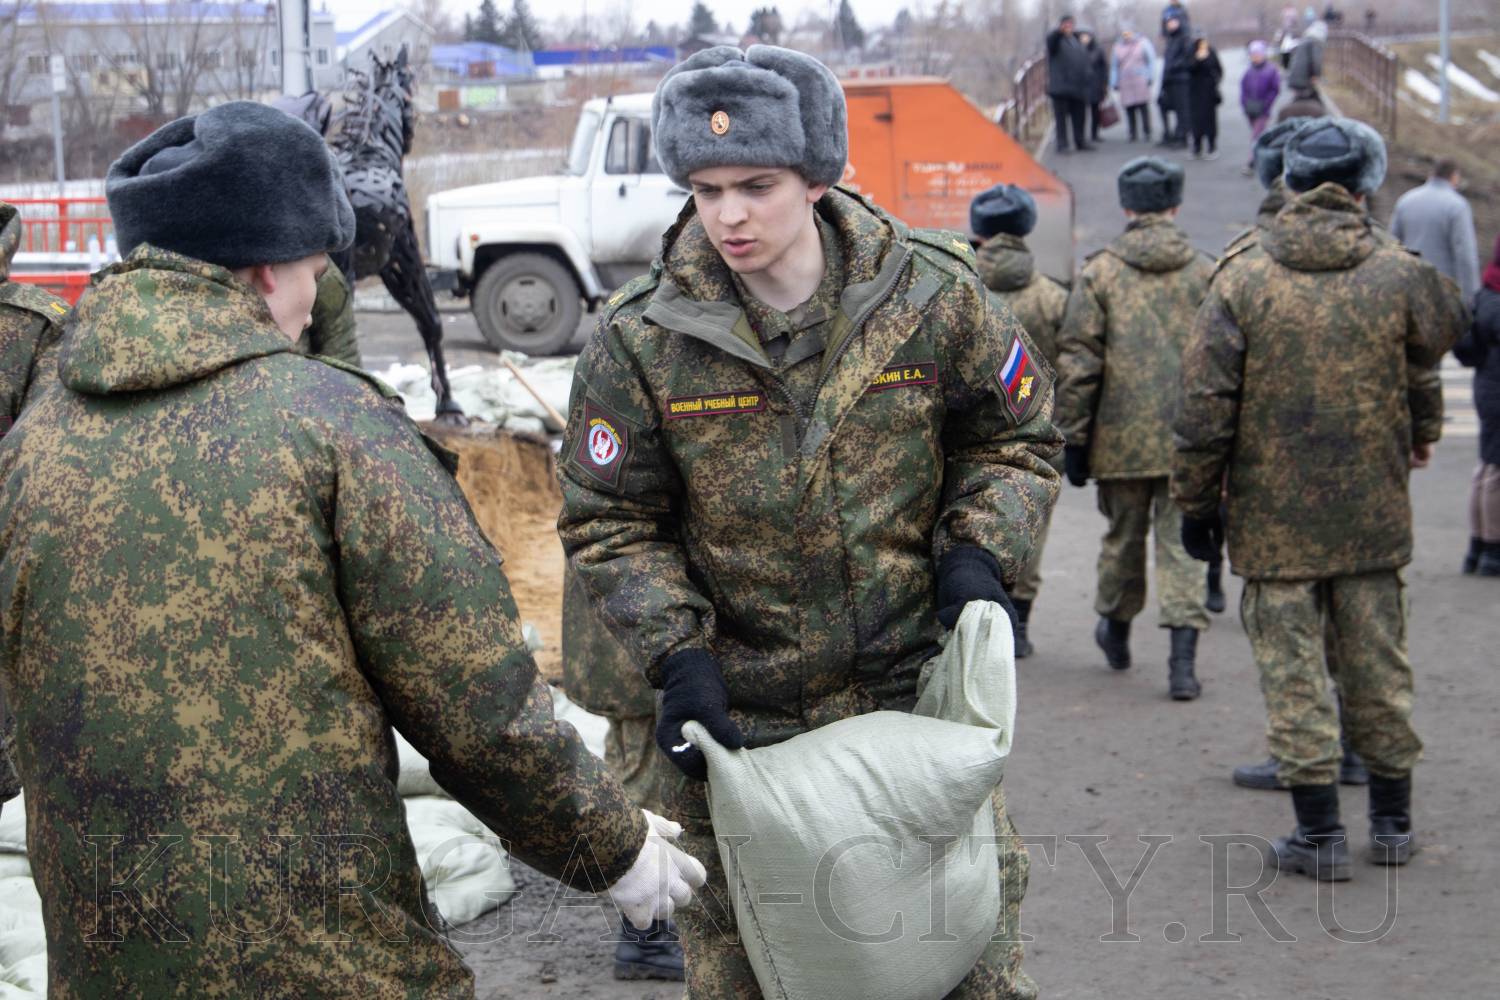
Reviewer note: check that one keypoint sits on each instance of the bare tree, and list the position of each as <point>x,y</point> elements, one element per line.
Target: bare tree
<point>236,66</point>
<point>12,59</point>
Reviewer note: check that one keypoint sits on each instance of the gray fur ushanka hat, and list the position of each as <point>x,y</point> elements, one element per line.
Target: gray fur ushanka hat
<point>1338,150</point>
<point>1003,208</point>
<point>1270,147</point>
<point>761,107</point>
<point>236,185</point>
<point>1150,184</point>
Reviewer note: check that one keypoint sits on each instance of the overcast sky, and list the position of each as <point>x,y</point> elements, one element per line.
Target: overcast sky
<point>871,13</point>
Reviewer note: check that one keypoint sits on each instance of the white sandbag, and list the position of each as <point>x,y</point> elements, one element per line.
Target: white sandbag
<point>23,943</point>
<point>838,840</point>
<point>466,869</point>
<point>13,825</point>
<point>414,777</point>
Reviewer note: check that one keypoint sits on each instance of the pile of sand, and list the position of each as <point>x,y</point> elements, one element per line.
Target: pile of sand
<point>511,484</point>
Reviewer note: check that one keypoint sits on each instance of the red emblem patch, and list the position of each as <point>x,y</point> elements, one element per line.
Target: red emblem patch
<point>603,445</point>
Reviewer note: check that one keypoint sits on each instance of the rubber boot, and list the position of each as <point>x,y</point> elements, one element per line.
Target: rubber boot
<point>1262,776</point>
<point>1183,683</point>
<point>1214,599</point>
<point>654,953</point>
<point>1489,560</point>
<point>1391,839</point>
<point>1114,638</point>
<point>1318,847</point>
<point>1023,615</point>
<point>1471,557</point>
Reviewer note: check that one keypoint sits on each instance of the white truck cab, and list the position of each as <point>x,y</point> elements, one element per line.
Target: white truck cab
<point>531,252</point>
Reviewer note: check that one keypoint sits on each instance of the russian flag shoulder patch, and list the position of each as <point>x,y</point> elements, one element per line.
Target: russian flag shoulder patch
<point>1019,380</point>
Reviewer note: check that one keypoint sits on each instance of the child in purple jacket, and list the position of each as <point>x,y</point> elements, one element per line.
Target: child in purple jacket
<point>1259,88</point>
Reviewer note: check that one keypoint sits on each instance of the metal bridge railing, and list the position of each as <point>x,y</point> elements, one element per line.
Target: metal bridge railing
<point>1368,68</point>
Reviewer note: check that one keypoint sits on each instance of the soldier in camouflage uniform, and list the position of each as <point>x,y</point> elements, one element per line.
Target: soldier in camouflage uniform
<point>1128,316</point>
<point>332,333</point>
<point>599,674</point>
<point>1267,155</point>
<point>1303,382</point>
<point>795,450</point>
<point>31,323</point>
<point>1001,217</point>
<point>225,572</point>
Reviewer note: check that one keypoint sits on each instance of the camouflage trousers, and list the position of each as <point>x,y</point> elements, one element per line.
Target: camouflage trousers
<point>718,968</point>
<point>1136,508</point>
<point>631,754</point>
<point>1349,628</point>
<point>1029,584</point>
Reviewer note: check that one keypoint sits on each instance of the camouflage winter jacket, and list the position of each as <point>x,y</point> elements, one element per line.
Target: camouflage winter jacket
<point>703,510</point>
<point>332,333</point>
<point>1008,271</point>
<point>226,571</point>
<point>1121,348</point>
<point>1307,379</point>
<point>31,323</point>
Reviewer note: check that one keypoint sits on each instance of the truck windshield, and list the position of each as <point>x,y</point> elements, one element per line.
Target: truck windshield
<point>583,143</point>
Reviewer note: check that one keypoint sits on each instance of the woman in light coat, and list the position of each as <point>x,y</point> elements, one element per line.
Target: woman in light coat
<point>1131,72</point>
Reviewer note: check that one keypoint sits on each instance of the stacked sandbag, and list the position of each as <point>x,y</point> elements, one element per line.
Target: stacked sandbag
<point>834,841</point>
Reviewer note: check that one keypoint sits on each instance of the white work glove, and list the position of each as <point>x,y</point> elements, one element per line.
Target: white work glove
<point>662,878</point>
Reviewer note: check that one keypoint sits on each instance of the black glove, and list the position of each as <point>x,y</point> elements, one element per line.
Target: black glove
<point>969,573</point>
<point>693,690</point>
<point>1203,537</point>
<point>1076,463</point>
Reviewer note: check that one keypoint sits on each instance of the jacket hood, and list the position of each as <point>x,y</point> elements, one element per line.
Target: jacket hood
<point>1273,202</point>
<point>1324,229</point>
<point>1005,264</point>
<point>10,236</point>
<point>159,319</point>
<point>1153,242</point>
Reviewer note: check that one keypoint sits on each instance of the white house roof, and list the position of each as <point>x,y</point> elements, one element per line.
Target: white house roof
<point>365,34</point>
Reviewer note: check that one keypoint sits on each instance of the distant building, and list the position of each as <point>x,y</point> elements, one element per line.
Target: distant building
<point>154,57</point>
<point>478,61</point>
<point>384,34</point>
<point>697,43</point>
<point>553,63</point>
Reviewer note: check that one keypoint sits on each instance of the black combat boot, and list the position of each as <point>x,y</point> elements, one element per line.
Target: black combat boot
<point>1023,615</point>
<point>1214,599</point>
<point>1391,839</point>
<point>1261,776</point>
<point>1317,848</point>
<point>1182,683</point>
<point>653,953</point>
<point>1114,638</point>
<point>1471,557</point>
<point>1489,560</point>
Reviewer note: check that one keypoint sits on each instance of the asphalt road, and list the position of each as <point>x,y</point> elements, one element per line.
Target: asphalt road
<point>1147,879</point>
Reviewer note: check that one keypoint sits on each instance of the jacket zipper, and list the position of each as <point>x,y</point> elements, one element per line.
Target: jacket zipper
<point>857,325</point>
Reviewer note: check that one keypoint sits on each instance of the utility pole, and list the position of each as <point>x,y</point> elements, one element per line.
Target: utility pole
<point>296,47</point>
<point>59,87</point>
<point>1443,57</point>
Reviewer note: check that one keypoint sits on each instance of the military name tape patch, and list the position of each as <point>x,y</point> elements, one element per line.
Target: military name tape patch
<point>715,404</point>
<point>603,445</point>
<point>901,376</point>
<point>1017,378</point>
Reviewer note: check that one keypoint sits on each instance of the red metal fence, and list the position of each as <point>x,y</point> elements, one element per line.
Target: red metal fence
<point>1369,69</point>
<point>63,225</point>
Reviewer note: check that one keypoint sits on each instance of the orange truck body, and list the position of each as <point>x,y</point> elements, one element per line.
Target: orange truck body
<point>922,151</point>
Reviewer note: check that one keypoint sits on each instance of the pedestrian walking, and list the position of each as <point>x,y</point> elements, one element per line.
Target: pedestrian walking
<point>1128,316</point>
<point>227,571</point>
<point>726,444</point>
<point>1203,98</point>
<point>1069,82</point>
<point>1176,80</point>
<point>1304,389</point>
<point>1306,69</point>
<point>1132,70</point>
<point>1436,221</point>
<point>1002,217</point>
<point>1259,88</point>
<point>1480,350</point>
<point>1098,79</point>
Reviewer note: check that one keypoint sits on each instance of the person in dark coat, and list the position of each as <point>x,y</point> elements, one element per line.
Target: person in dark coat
<point>1068,82</point>
<point>1098,79</point>
<point>1480,349</point>
<point>1176,76</point>
<point>1203,99</point>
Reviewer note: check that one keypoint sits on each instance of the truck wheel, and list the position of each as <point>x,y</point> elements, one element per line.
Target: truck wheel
<point>528,302</point>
